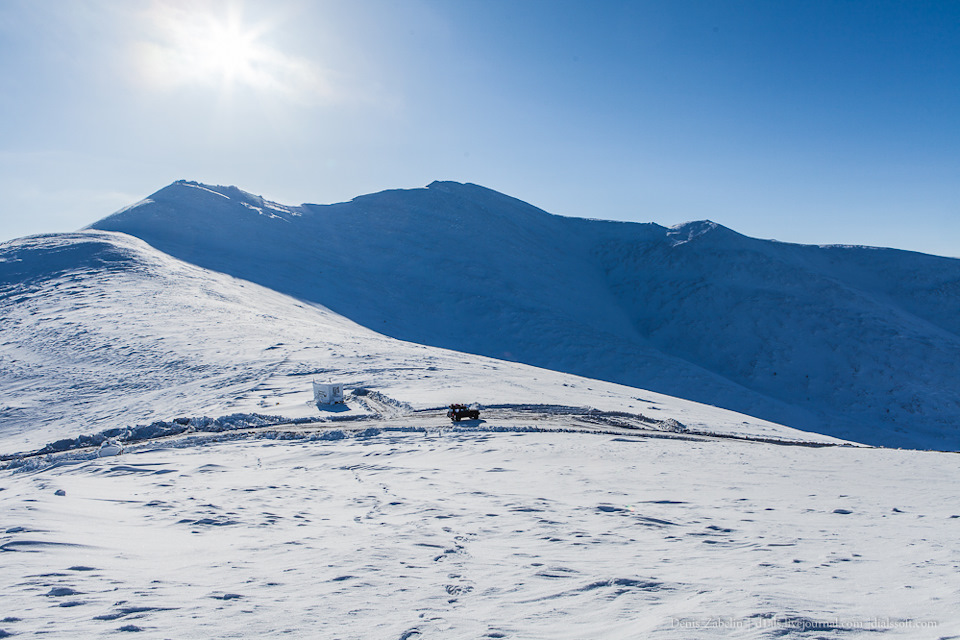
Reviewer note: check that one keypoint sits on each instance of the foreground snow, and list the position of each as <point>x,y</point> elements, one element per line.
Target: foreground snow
<point>476,534</point>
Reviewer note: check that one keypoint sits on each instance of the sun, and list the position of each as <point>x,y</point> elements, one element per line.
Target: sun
<point>195,44</point>
<point>224,51</point>
<point>212,45</point>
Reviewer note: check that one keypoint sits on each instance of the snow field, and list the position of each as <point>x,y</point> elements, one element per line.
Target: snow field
<point>470,535</point>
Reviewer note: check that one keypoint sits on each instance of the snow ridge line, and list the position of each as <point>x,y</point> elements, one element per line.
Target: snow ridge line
<point>162,429</point>
<point>373,401</point>
<point>42,462</point>
<point>37,461</point>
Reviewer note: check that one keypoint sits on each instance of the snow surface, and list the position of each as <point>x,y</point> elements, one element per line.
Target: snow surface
<point>441,534</point>
<point>855,342</point>
<point>573,508</point>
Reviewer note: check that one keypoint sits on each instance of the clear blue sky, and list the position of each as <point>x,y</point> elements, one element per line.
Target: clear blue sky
<point>806,121</point>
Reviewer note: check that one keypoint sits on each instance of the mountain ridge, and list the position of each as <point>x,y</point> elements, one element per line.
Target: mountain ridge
<point>102,331</point>
<point>855,342</point>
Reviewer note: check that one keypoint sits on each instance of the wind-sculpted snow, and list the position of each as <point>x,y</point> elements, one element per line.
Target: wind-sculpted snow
<point>855,342</point>
<point>160,429</point>
<point>435,533</point>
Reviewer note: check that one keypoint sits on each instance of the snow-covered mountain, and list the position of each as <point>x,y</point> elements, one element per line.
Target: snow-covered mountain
<point>574,508</point>
<point>856,342</point>
<point>101,331</point>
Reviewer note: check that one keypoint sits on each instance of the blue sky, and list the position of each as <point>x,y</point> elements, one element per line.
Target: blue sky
<point>806,121</point>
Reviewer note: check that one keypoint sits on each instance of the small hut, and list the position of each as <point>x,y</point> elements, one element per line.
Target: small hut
<point>327,393</point>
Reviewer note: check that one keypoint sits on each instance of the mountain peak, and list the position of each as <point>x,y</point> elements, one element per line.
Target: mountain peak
<point>447,185</point>
<point>193,206</point>
<point>227,192</point>
<point>689,231</point>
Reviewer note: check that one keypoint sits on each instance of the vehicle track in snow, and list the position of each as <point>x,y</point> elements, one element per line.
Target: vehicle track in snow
<point>388,414</point>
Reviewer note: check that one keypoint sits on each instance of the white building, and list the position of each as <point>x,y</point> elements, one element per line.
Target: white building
<point>324,393</point>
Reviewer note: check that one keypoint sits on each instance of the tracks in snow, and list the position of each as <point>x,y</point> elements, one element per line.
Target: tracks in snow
<point>389,414</point>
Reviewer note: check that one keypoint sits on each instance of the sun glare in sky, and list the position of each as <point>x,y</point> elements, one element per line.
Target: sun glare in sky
<point>225,50</point>
<point>205,45</point>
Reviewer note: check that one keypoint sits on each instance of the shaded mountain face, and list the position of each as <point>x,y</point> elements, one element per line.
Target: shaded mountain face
<point>855,342</point>
<point>101,331</point>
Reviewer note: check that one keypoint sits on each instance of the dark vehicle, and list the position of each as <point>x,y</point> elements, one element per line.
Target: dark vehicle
<point>460,412</point>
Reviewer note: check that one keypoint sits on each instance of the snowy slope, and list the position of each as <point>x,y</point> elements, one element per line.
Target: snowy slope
<point>552,536</point>
<point>101,331</point>
<point>855,342</point>
<point>384,521</point>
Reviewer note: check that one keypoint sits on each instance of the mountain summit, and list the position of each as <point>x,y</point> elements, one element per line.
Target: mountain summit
<point>855,342</point>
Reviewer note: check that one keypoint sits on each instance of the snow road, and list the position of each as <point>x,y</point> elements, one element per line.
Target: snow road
<point>372,411</point>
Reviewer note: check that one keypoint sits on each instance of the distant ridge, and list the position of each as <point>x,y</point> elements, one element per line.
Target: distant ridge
<point>855,342</point>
